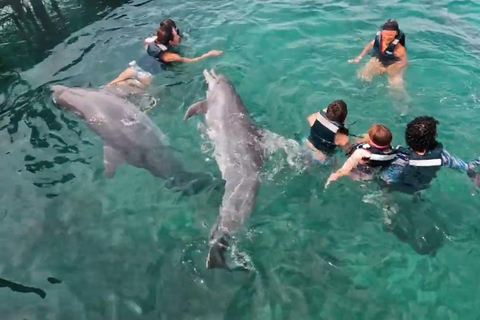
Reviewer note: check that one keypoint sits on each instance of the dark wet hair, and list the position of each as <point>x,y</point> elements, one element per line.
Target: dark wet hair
<point>168,22</point>
<point>421,133</point>
<point>172,24</point>
<point>164,35</point>
<point>391,25</point>
<point>337,111</point>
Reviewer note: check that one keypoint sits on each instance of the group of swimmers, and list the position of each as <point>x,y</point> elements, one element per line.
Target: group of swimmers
<point>408,169</point>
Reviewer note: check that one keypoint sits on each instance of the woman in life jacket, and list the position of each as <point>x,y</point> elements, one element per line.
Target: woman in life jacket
<point>159,50</point>
<point>388,55</point>
<point>327,131</point>
<point>373,151</point>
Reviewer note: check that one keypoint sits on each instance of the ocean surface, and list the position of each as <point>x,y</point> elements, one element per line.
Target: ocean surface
<point>130,248</point>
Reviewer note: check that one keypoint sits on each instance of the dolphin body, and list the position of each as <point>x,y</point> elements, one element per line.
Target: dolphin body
<point>129,135</point>
<point>239,155</point>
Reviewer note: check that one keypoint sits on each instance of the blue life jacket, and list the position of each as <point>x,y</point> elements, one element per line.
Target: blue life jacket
<point>152,62</point>
<point>322,133</point>
<point>378,158</point>
<point>387,57</point>
<point>420,169</point>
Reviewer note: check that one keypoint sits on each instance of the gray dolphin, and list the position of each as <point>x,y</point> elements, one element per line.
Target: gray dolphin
<point>129,135</point>
<point>239,155</point>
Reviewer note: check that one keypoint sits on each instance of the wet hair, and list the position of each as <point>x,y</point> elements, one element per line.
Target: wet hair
<point>164,35</point>
<point>337,111</point>
<point>391,25</point>
<point>421,133</point>
<point>380,135</point>
<point>168,22</point>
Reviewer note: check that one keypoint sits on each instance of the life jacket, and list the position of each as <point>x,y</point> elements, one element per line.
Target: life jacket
<point>387,57</point>
<point>420,169</point>
<point>154,50</point>
<point>322,133</point>
<point>378,157</point>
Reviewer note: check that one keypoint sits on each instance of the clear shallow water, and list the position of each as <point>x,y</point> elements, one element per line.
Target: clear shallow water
<point>129,248</point>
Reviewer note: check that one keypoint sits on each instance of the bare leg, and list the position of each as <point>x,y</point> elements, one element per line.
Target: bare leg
<point>397,91</point>
<point>126,74</point>
<point>372,68</point>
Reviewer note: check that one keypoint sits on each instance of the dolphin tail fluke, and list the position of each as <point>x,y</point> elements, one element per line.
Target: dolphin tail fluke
<point>216,255</point>
<point>196,108</point>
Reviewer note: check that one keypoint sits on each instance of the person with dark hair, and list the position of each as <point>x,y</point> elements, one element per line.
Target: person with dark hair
<point>168,36</point>
<point>159,50</point>
<point>388,55</point>
<point>372,152</point>
<point>327,131</point>
<point>416,166</point>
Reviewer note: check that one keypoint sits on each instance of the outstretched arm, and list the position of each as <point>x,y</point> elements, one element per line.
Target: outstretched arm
<point>173,57</point>
<point>456,163</point>
<point>356,158</point>
<point>367,48</point>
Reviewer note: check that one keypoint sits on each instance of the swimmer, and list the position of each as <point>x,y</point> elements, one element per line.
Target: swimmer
<point>373,151</point>
<point>417,165</point>
<point>327,131</point>
<point>169,36</point>
<point>388,55</point>
<point>159,50</point>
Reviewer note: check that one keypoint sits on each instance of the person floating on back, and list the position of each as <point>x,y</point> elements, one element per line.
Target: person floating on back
<point>388,55</point>
<point>372,152</point>
<point>417,165</point>
<point>327,131</point>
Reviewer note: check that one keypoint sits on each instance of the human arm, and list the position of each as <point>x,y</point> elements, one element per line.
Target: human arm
<point>342,140</point>
<point>356,158</point>
<point>174,57</point>
<point>311,118</point>
<point>456,163</point>
<point>401,54</point>
<point>367,48</point>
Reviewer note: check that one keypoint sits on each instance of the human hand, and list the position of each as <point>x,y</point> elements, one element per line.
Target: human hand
<point>356,60</point>
<point>214,53</point>
<point>330,179</point>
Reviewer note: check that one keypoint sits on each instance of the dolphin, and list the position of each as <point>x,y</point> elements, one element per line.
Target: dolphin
<point>239,155</point>
<point>129,136</point>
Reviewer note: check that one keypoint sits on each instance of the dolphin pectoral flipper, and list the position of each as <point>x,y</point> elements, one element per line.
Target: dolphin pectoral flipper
<point>111,160</point>
<point>196,108</point>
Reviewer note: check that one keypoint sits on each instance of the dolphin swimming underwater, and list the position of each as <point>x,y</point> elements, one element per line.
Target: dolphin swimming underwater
<point>129,136</point>
<point>239,155</point>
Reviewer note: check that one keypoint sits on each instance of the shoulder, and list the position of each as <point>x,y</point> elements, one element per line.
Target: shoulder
<point>361,153</point>
<point>399,49</point>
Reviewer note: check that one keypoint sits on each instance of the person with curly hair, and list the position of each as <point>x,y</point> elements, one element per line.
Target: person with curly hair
<point>416,166</point>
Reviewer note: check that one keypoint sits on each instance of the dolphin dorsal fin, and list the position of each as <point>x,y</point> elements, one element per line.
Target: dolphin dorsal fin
<point>196,108</point>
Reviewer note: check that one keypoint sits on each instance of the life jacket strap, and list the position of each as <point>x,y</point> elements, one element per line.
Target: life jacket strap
<point>425,163</point>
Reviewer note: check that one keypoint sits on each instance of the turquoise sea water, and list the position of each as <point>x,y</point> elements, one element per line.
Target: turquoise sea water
<point>128,248</point>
